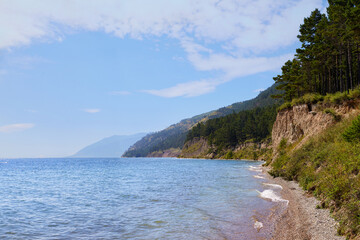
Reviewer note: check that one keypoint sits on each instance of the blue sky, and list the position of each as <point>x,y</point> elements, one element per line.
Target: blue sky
<point>71,74</point>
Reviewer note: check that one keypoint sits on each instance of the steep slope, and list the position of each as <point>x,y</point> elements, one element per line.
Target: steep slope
<point>242,135</point>
<point>298,123</point>
<point>174,136</point>
<point>318,145</point>
<point>113,146</point>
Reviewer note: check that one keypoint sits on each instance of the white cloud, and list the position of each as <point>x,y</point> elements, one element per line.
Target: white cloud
<point>178,59</point>
<point>233,66</point>
<point>246,30</point>
<point>190,89</point>
<point>17,127</point>
<point>259,90</point>
<point>121,93</point>
<point>91,110</point>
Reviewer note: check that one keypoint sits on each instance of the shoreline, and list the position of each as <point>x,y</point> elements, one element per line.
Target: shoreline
<point>301,220</point>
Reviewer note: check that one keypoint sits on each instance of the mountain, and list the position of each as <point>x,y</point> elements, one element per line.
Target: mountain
<point>113,146</point>
<point>174,136</point>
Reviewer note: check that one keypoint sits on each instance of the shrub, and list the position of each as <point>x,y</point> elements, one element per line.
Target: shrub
<point>313,98</point>
<point>284,106</point>
<point>332,112</point>
<point>229,155</point>
<point>283,144</point>
<point>352,133</point>
<point>328,166</point>
<point>355,93</point>
<point>336,97</point>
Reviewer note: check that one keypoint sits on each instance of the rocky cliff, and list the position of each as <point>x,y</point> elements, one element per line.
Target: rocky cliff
<point>298,123</point>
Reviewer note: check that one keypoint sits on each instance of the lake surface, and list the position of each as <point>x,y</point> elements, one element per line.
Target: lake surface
<point>132,199</point>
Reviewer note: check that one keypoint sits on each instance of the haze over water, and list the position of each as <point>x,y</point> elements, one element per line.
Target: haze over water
<point>130,199</point>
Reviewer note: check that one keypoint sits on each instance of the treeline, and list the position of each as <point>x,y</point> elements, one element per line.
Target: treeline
<point>254,125</point>
<point>329,58</point>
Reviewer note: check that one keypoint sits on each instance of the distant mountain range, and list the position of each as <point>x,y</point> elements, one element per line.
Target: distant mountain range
<point>113,146</point>
<point>174,136</point>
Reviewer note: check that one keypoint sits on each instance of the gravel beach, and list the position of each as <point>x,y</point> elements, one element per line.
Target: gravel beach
<point>301,220</point>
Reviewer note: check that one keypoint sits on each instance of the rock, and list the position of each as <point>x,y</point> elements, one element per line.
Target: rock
<point>301,122</point>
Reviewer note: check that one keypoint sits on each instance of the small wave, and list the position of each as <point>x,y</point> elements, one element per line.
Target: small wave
<point>270,194</point>
<point>258,225</point>
<point>259,177</point>
<point>273,185</point>
<point>255,169</point>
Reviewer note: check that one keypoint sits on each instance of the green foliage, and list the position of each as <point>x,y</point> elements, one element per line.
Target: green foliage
<point>229,155</point>
<point>354,94</point>
<point>226,132</point>
<point>284,106</point>
<point>283,144</point>
<point>332,112</point>
<point>328,166</point>
<point>313,98</point>
<point>336,98</point>
<point>253,153</point>
<point>308,98</point>
<point>328,60</point>
<point>352,133</point>
<point>175,135</point>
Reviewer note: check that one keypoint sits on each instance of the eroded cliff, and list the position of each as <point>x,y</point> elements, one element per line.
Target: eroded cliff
<point>299,123</point>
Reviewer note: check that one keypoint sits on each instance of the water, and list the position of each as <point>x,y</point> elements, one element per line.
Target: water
<point>131,199</point>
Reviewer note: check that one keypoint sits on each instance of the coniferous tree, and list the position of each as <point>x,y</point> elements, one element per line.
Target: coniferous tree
<point>328,60</point>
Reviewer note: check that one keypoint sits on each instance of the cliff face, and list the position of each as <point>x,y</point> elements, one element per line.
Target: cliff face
<point>299,123</point>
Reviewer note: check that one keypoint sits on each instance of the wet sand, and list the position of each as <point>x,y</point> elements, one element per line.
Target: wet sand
<point>300,219</point>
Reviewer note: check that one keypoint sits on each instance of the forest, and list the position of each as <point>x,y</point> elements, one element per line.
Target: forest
<point>328,60</point>
<point>252,125</point>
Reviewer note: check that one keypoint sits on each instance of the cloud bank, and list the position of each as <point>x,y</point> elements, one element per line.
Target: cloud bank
<point>248,31</point>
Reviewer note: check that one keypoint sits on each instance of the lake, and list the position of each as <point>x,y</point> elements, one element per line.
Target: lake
<point>133,199</point>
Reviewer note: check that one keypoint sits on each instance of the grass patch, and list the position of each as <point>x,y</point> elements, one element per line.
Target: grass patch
<point>313,98</point>
<point>328,166</point>
<point>352,133</point>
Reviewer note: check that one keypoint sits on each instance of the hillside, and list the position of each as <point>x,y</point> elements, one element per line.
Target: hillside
<point>174,136</point>
<point>239,135</point>
<point>113,146</point>
<point>318,145</point>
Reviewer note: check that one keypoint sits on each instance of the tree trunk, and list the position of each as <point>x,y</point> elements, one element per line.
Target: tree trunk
<point>341,75</point>
<point>337,85</point>
<point>347,72</point>
<point>350,65</point>
<point>330,82</point>
<point>358,64</point>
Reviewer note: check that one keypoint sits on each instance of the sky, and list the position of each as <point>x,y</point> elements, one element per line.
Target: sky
<point>74,72</point>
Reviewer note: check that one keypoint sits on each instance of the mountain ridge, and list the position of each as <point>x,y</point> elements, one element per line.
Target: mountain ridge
<point>113,146</point>
<point>174,136</point>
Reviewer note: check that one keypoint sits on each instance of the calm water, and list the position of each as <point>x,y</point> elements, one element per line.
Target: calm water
<point>130,199</point>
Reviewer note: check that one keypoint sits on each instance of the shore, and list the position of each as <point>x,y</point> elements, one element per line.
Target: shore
<point>301,220</point>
